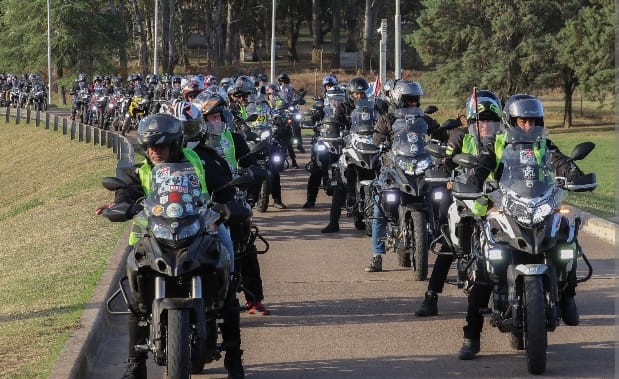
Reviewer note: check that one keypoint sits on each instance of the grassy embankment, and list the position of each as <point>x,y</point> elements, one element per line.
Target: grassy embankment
<point>54,248</point>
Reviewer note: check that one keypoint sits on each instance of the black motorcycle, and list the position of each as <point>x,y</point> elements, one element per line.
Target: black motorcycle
<point>525,248</point>
<point>179,268</point>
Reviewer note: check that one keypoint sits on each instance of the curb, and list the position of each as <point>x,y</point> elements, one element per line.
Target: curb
<point>82,345</point>
<point>599,227</point>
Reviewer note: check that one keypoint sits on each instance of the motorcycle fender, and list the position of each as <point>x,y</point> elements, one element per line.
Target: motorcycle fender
<point>531,269</point>
<point>196,306</point>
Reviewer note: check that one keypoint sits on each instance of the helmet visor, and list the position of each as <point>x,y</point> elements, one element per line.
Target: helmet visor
<point>215,128</point>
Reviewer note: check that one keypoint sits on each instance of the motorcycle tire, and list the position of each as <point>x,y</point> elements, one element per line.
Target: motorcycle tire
<point>359,220</point>
<point>368,210</point>
<point>535,335</point>
<point>419,250</point>
<point>264,195</point>
<point>178,345</point>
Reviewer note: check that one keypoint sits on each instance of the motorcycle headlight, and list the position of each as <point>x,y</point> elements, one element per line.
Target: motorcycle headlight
<point>437,195</point>
<point>298,117</point>
<point>277,158</point>
<point>265,134</point>
<point>291,108</point>
<point>495,254</point>
<point>162,232</point>
<point>94,107</point>
<point>566,254</point>
<point>321,148</point>
<point>110,106</point>
<point>189,230</point>
<point>520,212</point>
<point>392,197</point>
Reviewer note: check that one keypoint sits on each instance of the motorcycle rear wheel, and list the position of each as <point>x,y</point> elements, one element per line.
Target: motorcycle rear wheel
<point>178,345</point>
<point>419,249</point>
<point>535,336</point>
<point>263,196</point>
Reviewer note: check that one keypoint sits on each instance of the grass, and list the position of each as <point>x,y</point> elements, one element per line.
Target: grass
<point>602,161</point>
<point>54,248</point>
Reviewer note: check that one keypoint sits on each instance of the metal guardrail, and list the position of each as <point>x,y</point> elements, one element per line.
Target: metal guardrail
<point>121,147</point>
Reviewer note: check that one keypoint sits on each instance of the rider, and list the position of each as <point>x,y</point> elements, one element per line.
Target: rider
<point>486,109</point>
<point>161,136</point>
<point>526,113</point>
<point>355,90</point>
<point>287,93</point>
<point>80,84</point>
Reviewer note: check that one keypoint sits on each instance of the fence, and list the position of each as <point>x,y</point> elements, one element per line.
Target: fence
<point>121,147</point>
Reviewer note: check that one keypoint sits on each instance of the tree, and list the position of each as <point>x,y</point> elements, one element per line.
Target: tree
<point>586,45</point>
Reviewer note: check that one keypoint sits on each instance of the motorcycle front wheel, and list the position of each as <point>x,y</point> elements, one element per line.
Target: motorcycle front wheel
<point>535,337</point>
<point>419,245</point>
<point>263,196</point>
<point>178,345</point>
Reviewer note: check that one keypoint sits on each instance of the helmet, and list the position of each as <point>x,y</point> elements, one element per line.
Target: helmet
<point>388,87</point>
<point>356,85</point>
<point>525,106</point>
<point>226,83</point>
<point>283,78</point>
<point>210,80</point>
<point>176,79</point>
<point>97,79</point>
<point>137,76</point>
<point>272,89</point>
<point>166,79</point>
<point>191,117</point>
<point>488,107</point>
<point>193,88</point>
<point>82,77</point>
<point>404,90</point>
<point>116,81</point>
<point>262,77</point>
<point>162,130</point>
<point>244,85</point>
<point>329,80</point>
<point>211,104</point>
<point>154,79</point>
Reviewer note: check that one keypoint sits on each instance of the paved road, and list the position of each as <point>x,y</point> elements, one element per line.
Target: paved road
<point>332,320</point>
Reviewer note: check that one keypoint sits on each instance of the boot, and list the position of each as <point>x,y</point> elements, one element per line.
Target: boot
<point>569,311</point>
<point>234,364</point>
<point>376,264</point>
<point>294,163</point>
<point>136,368</point>
<point>470,347</point>
<point>277,204</point>
<point>429,307</point>
<point>331,227</point>
<point>311,201</point>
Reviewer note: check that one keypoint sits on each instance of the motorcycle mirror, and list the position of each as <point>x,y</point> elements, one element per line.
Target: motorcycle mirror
<point>113,184</point>
<point>436,150</point>
<point>582,150</point>
<point>117,213</point>
<point>430,109</point>
<point>466,160</point>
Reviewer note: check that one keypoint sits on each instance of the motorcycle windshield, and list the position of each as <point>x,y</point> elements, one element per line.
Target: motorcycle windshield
<point>175,191</point>
<point>336,99</point>
<point>409,134</point>
<point>362,117</point>
<point>526,169</point>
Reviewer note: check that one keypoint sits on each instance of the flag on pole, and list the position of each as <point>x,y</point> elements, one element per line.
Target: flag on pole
<point>377,86</point>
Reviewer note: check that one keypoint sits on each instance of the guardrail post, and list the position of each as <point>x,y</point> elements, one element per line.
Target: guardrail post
<point>95,139</point>
<point>80,132</point>
<point>8,114</point>
<point>64,126</point>
<point>27,115</point>
<point>17,116</point>
<point>46,120</point>
<point>37,119</point>
<point>89,130</point>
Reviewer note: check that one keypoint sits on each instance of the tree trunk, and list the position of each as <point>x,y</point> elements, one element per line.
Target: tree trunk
<point>352,21</point>
<point>219,58</point>
<point>165,34</point>
<point>171,58</point>
<point>336,34</point>
<point>144,62</point>
<point>316,24</point>
<point>367,33</point>
<point>229,32</point>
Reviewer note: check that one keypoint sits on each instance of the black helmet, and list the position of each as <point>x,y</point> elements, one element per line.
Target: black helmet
<point>403,90</point>
<point>488,107</point>
<point>162,130</point>
<point>262,77</point>
<point>283,78</point>
<point>356,85</point>
<point>243,85</point>
<point>524,106</point>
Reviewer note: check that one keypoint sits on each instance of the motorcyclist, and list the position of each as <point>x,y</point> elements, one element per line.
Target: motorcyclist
<point>80,84</point>
<point>355,90</point>
<point>240,92</point>
<point>483,116</point>
<point>136,87</point>
<point>526,113</point>
<point>161,136</point>
<point>192,89</point>
<point>289,94</point>
<point>233,148</point>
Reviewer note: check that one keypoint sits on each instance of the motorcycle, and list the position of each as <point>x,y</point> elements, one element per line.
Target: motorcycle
<point>37,98</point>
<point>403,193</point>
<point>180,270</point>
<point>525,248</point>
<point>137,109</point>
<point>81,104</point>
<point>326,151</point>
<point>361,156</point>
<point>98,108</point>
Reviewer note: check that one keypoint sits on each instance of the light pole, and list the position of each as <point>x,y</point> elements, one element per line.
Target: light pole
<point>273,43</point>
<point>155,38</point>
<point>398,41</point>
<point>49,54</point>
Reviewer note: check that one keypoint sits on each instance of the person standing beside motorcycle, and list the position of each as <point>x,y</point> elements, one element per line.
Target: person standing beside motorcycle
<point>355,90</point>
<point>526,114</point>
<point>161,136</point>
<point>483,117</point>
<point>234,150</point>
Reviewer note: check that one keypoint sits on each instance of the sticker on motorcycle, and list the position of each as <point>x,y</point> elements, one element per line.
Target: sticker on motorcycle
<point>174,210</point>
<point>163,199</point>
<point>412,137</point>
<point>527,157</point>
<point>175,197</point>
<point>189,208</point>
<point>162,174</point>
<point>157,210</point>
<point>187,198</point>
<point>528,173</point>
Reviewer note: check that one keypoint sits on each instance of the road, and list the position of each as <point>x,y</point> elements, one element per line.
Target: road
<point>330,319</point>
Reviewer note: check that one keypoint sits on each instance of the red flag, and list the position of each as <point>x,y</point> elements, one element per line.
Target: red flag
<point>377,86</point>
